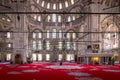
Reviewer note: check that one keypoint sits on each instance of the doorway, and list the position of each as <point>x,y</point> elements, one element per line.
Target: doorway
<point>18,59</point>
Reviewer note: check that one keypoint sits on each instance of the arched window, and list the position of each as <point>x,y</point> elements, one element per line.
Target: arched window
<point>60,34</point>
<point>68,35</point>
<point>66,4</point>
<point>34,57</point>
<point>47,45</point>
<point>39,57</point>
<point>48,5</point>
<point>73,18</point>
<point>54,6</point>
<point>53,17</point>
<point>49,18</point>
<point>59,18</point>
<point>47,57</point>
<point>34,35</point>
<point>48,34</point>
<point>9,45</point>
<point>74,35</point>
<point>8,35</point>
<point>71,35</point>
<point>35,17</point>
<point>8,57</point>
<point>72,1</point>
<point>74,46</point>
<point>69,19</point>
<point>40,45</point>
<point>70,57</point>
<point>68,45</point>
<point>60,57</point>
<point>60,45</point>
<point>39,35</point>
<point>54,33</point>
<point>39,18</point>
<point>34,45</point>
<point>60,5</point>
<point>43,3</point>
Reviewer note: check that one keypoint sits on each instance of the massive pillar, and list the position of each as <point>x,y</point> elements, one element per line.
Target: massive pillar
<point>20,39</point>
<point>119,47</point>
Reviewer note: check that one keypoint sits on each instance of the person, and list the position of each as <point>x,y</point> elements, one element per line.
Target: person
<point>60,63</point>
<point>113,61</point>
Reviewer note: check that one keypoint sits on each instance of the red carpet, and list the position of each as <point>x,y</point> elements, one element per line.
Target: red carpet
<point>53,71</point>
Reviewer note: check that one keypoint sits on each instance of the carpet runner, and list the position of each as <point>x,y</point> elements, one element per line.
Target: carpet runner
<point>53,71</point>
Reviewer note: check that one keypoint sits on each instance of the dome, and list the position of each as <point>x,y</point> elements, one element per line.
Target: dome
<point>55,4</point>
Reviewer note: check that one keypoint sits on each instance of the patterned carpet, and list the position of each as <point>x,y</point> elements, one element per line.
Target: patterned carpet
<point>53,71</point>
